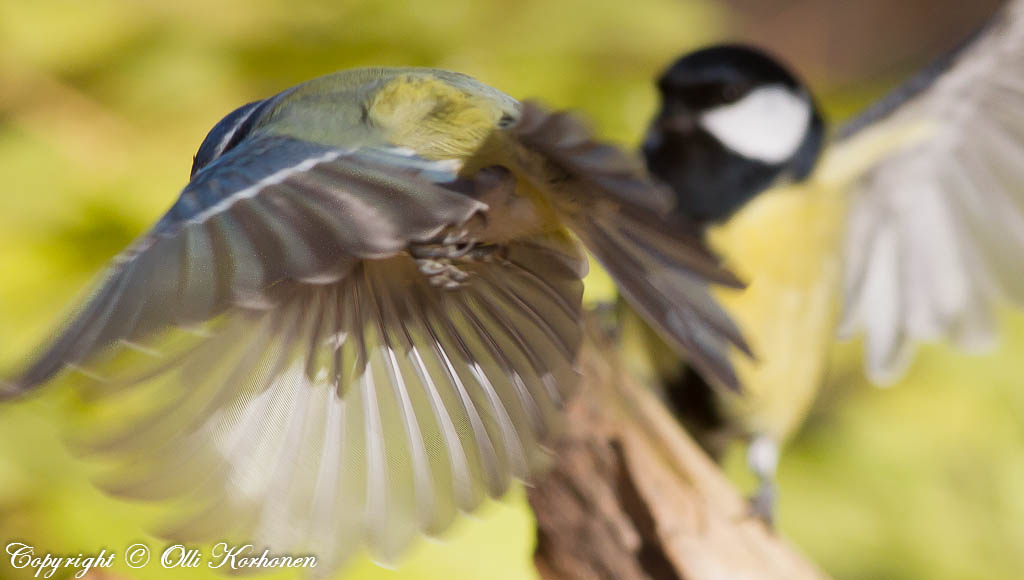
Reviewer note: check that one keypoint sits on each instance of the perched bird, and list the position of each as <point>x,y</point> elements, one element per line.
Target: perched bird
<point>907,225</point>
<point>362,314</point>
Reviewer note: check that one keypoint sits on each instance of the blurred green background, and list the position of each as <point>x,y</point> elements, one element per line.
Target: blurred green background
<point>103,103</point>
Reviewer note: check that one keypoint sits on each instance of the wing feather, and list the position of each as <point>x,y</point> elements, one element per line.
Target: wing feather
<point>936,229</point>
<point>448,395</point>
<point>239,229</point>
<point>271,360</point>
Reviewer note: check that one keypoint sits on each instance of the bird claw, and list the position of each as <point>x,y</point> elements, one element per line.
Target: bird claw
<point>441,262</point>
<point>431,267</point>
<point>454,245</point>
<point>442,273</point>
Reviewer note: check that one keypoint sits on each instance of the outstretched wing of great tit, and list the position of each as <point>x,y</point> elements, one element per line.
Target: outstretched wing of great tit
<point>936,228</point>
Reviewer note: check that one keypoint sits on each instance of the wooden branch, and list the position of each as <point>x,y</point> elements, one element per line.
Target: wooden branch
<point>632,497</point>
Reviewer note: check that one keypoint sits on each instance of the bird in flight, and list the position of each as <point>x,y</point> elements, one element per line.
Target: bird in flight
<point>362,314</point>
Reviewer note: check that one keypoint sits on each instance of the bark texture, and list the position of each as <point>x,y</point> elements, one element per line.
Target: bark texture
<point>631,497</point>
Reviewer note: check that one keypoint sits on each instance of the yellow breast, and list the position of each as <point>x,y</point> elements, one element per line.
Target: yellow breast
<point>785,244</point>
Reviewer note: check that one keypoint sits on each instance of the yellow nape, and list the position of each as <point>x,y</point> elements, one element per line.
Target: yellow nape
<point>432,117</point>
<point>785,243</point>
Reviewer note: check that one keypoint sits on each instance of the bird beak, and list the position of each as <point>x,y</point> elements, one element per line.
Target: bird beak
<point>677,123</point>
<point>667,126</point>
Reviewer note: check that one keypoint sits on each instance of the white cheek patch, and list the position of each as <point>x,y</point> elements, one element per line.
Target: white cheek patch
<point>767,125</point>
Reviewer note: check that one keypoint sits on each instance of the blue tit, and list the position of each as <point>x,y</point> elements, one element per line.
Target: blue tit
<point>363,312</point>
<point>907,225</point>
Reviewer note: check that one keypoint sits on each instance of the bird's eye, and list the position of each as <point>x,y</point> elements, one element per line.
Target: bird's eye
<point>731,93</point>
<point>506,121</point>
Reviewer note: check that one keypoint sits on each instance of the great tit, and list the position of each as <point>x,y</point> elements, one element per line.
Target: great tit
<point>362,314</point>
<point>910,226</point>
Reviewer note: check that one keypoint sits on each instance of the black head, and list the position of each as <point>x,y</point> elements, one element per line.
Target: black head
<point>732,122</point>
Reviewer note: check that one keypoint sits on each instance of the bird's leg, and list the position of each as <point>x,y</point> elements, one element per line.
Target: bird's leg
<point>763,459</point>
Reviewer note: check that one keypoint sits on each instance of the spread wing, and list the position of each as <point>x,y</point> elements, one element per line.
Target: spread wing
<point>658,260</point>
<point>936,230</point>
<point>272,356</point>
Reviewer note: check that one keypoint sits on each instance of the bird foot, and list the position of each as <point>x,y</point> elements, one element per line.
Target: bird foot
<point>442,273</point>
<point>441,262</point>
<point>453,245</point>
